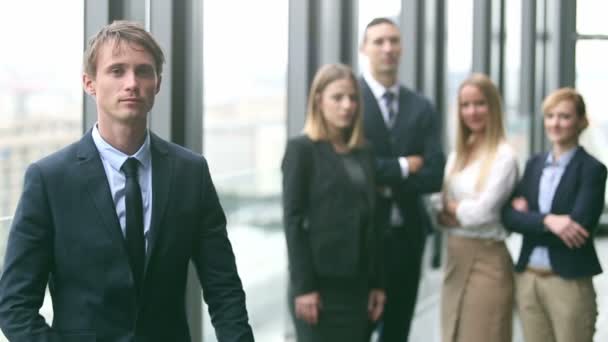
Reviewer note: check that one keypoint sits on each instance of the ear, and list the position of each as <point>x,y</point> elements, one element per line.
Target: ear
<point>158,84</point>
<point>582,124</point>
<point>88,84</point>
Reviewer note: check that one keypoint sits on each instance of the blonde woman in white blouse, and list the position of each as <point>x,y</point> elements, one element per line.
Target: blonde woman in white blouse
<point>477,294</point>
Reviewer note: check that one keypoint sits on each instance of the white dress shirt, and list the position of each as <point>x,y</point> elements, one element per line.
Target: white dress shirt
<point>113,160</point>
<point>478,212</point>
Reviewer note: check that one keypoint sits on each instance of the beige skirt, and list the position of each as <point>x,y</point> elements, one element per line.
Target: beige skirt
<point>477,295</point>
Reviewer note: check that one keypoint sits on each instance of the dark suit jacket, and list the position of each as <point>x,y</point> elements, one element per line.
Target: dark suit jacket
<point>416,132</point>
<point>66,233</point>
<point>580,194</point>
<point>327,236</point>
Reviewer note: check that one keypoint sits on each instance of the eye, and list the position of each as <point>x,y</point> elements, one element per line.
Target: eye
<point>145,71</point>
<point>116,71</point>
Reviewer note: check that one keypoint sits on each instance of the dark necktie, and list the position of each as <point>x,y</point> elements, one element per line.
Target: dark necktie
<point>389,97</point>
<point>134,221</point>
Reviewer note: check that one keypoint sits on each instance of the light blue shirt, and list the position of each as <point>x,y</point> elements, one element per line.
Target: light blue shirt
<point>112,160</point>
<point>549,180</point>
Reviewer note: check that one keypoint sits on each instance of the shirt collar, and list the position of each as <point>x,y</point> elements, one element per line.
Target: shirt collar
<point>378,89</point>
<point>563,160</point>
<point>115,157</point>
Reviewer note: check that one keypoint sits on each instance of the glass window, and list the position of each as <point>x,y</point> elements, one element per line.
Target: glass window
<point>40,92</point>
<point>517,124</point>
<point>40,87</point>
<point>459,59</point>
<point>591,76</point>
<point>244,134</point>
<point>588,17</point>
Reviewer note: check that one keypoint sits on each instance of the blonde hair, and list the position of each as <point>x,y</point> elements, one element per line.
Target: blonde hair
<point>567,94</point>
<point>494,131</point>
<point>315,126</point>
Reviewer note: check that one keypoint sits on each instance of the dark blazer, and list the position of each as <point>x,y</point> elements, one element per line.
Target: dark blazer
<point>326,235</point>
<point>580,194</point>
<point>416,131</point>
<point>66,233</point>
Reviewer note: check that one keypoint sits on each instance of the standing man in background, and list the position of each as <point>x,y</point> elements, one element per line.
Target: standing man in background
<point>404,131</point>
<point>111,222</point>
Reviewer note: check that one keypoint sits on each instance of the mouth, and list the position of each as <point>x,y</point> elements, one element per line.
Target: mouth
<point>131,100</point>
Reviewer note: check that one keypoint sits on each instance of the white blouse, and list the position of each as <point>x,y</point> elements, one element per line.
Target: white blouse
<point>479,211</point>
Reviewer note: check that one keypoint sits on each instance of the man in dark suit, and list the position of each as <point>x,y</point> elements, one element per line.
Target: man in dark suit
<point>404,131</point>
<point>111,222</point>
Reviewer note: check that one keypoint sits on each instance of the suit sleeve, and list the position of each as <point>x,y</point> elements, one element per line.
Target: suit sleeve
<point>530,222</point>
<point>430,177</point>
<point>217,272</point>
<point>589,201</point>
<point>27,264</point>
<point>296,169</point>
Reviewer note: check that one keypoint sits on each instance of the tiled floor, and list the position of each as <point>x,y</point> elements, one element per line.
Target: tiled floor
<point>263,273</point>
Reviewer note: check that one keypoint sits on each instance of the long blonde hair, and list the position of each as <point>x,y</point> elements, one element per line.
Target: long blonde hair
<point>315,125</point>
<point>494,130</point>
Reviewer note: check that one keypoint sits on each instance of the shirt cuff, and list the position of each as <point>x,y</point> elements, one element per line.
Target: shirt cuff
<point>405,167</point>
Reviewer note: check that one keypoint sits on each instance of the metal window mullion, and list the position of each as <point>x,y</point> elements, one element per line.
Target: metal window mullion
<point>528,65</point>
<point>482,29</point>
<point>96,14</point>
<point>411,23</point>
<point>302,47</point>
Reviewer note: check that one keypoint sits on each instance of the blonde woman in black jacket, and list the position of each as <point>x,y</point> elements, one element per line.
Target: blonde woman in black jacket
<point>328,200</point>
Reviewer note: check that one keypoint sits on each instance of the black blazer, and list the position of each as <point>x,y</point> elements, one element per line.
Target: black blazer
<point>326,235</point>
<point>580,194</point>
<point>416,131</point>
<point>65,232</point>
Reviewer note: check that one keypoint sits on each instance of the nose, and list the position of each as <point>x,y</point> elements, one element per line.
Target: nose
<point>347,103</point>
<point>387,46</point>
<point>131,81</point>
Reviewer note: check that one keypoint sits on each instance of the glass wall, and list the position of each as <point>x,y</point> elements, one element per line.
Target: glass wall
<point>244,135</point>
<point>459,59</point>
<point>40,91</point>
<point>40,88</point>
<point>517,124</point>
<point>592,73</point>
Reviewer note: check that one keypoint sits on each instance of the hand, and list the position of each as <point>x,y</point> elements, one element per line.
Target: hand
<point>375,304</point>
<point>447,220</point>
<point>415,163</point>
<point>308,306</point>
<point>450,206</point>
<point>568,230</point>
<point>520,204</point>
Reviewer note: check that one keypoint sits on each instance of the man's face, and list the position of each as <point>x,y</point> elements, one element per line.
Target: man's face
<point>125,84</point>
<point>382,46</point>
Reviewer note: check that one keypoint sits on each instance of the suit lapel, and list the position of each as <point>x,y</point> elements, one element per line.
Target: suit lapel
<point>372,113</point>
<point>401,117</point>
<point>162,176</point>
<point>537,172</point>
<point>96,183</point>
